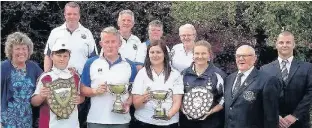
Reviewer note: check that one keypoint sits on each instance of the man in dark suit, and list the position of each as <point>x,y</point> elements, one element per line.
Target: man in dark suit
<point>251,96</point>
<point>296,79</point>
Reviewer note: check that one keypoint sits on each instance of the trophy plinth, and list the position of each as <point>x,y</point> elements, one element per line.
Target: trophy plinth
<point>159,96</point>
<point>118,90</point>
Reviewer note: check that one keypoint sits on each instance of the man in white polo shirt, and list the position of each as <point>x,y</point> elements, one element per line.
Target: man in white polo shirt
<point>80,39</point>
<point>155,32</point>
<point>130,42</point>
<point>98,72</point>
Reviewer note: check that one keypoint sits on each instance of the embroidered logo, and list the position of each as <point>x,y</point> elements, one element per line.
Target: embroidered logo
<point>100,70</point>
<point>135,47</point>
<point>83,36</point>
<point>249,95</point>
<point>209,83</point>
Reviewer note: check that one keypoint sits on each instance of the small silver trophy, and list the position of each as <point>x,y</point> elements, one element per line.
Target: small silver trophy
<point>159,96</point>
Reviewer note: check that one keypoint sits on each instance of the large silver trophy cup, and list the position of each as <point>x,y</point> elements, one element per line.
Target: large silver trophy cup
<point>160,96</point>
<point>118,90</point>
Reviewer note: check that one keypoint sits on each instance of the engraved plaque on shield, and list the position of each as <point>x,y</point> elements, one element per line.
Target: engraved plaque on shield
<point>60,101</point>
<point>197,102</point>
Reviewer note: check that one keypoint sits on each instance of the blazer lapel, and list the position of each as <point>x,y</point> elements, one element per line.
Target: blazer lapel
<point>231,84</point>
<point>293,68</point>
<point>277,70</point>
<point>249,80</point>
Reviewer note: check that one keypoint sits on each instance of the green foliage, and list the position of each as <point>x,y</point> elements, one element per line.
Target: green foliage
<point>38,18</point>
<point>246,17</point>
<point>274,17</point>
<point>256,23</point>
<point>215,21</point>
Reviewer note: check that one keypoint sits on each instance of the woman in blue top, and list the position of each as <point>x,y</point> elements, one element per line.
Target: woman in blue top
<point>18,80</point>
<point>202,72</point>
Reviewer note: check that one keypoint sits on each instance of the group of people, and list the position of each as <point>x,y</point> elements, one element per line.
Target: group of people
<point>278,95</point>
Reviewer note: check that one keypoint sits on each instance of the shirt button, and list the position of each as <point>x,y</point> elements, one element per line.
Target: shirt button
<point>231,108</point>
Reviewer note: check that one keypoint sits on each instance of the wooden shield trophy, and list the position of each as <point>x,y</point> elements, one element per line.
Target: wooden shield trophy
<point>61,99</point>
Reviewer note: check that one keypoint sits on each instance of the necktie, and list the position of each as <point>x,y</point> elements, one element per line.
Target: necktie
<point>284,70</point>
<point>238,83</point>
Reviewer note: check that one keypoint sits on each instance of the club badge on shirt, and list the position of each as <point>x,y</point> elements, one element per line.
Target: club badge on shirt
<point>135,47</point>
<point>83,36</point>
<point>100,70</point>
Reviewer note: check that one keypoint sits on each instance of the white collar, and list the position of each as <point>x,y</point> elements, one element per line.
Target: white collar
<point>246,73</point>
<point>64,26</point>
<point>59,71</point>
<point>289,59</point>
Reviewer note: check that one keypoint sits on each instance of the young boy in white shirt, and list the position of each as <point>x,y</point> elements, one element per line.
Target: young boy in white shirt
<point>46,88</point>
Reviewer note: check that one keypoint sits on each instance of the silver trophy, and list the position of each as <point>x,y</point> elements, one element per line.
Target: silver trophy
<point>118,90</point>
<point>160,96</point>
<point>197,101</point>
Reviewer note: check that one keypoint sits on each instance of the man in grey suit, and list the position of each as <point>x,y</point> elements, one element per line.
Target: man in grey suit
<point>251,96</point>
<point>296,79</point>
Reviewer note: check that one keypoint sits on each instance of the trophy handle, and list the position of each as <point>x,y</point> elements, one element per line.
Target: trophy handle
<point>126,89</point>
<point>110,89</point>
<point>170,93</point>
<point>148,89</point>
<point>130,87</point>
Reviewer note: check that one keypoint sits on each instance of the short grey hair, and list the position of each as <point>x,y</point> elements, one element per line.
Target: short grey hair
<point>128,12</point>
<point>187,26</point>
<point>156,23</point>
<point>72,5</point>
<point>18,38</point>
<point>111,30</point>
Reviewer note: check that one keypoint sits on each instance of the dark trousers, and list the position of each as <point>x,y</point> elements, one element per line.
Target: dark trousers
<point>215,120</point>
<point>132,121</point>
<point>139,124</point>
<point>83,109</point>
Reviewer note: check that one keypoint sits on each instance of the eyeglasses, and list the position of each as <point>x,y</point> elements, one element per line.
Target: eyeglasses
<point>244,56</point>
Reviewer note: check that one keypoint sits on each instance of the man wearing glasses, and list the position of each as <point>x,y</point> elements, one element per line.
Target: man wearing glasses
<point>251,96</point>
<point>296,79</point>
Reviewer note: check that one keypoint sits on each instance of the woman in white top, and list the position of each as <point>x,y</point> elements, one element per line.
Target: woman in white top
<point>182,53</point>
<point>157,75</point>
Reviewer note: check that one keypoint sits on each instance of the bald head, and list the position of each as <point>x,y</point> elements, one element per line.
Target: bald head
<point>246,49</point>
<point>187,27</point>
<point>245,58</point>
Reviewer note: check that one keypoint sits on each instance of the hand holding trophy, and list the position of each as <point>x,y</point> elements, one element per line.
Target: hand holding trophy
<point>101,89</point>
<point>118,90</point>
